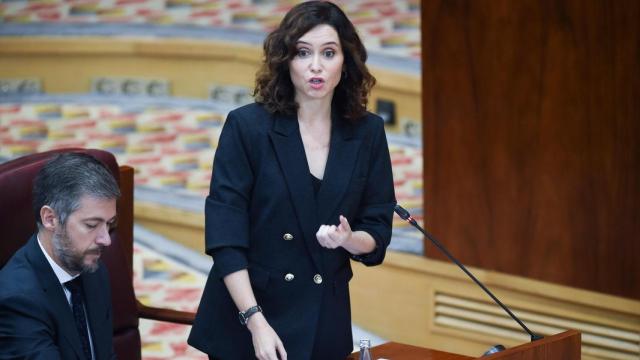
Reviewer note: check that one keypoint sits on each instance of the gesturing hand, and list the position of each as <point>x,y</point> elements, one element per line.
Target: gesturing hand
<point>266,343</point>
<point>331,236</point>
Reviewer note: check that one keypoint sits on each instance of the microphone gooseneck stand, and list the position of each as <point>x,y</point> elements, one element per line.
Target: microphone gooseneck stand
<point>405,215</point>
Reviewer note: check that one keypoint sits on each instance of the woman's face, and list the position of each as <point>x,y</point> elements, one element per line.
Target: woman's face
<point>316,68</point>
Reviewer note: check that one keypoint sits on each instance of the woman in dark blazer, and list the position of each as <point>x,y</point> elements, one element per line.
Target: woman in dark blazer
<point>301,184</point>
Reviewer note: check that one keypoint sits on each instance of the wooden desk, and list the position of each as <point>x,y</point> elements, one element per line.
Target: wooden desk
<point>396,351</point>
<point>563,346</point>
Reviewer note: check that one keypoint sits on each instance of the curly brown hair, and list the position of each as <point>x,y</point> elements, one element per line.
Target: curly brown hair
<point>274,88</point>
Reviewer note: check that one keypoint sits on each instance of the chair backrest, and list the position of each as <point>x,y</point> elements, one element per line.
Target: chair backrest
<point>18,223</point>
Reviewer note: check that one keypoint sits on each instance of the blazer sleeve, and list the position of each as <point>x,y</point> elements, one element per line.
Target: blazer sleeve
<point>375,213</point>
<point>23,332</point>
<point>226,207</point>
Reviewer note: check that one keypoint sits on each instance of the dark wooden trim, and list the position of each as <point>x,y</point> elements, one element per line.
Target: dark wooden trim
<point>125,213</point>
<point>168,315</point>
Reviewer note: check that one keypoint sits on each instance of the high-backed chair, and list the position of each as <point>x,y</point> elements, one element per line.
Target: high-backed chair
<point>18,224</point>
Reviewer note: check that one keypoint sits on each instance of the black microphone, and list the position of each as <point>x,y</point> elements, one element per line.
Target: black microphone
<point>404,215</point>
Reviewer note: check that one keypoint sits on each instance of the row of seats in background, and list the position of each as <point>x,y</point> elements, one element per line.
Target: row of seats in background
<point>161,88</point>
<point>170,144</point>
<point>128,86</point>
<point>391,27</point>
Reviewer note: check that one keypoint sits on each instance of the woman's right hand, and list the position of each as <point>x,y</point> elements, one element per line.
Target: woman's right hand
<point>266,342</point>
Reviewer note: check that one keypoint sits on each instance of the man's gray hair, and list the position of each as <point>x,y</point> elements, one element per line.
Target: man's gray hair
<point>66,178</point>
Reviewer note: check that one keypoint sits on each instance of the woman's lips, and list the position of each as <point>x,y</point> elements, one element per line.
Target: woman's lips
<point>316,83</point>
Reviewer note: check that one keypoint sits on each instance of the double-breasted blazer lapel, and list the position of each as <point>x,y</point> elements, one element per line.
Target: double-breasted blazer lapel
<point>343,153</point>
<point>54,295</point>
<point>287,143</point>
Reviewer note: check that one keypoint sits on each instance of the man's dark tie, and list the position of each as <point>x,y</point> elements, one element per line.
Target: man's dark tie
<point>77,303</point>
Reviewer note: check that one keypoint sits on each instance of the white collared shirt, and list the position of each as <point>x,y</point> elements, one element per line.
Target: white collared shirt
<point>63,277</point>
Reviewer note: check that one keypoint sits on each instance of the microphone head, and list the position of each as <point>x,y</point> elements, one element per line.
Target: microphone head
<point>402,212</point>
<point>494,349</point>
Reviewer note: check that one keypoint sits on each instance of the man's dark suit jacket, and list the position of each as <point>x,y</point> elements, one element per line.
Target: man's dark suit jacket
<point>36,321</point>
<point>262,201</point>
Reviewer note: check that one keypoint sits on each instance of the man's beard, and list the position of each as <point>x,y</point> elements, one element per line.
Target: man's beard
<point>71,259</point>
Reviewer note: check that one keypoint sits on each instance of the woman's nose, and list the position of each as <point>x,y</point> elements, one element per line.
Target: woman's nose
<point>315,63</point>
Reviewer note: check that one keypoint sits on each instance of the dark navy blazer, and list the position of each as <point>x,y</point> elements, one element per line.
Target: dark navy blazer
<point>36,321</point>
<point>261,190</point>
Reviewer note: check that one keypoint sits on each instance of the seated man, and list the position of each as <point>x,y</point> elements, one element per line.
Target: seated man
<point>55,300</point>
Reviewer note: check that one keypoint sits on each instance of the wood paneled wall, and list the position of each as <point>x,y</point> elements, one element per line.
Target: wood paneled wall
<point>532,138</point>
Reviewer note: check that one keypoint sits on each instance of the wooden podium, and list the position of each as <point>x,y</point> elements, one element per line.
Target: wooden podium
<point>563,346</point>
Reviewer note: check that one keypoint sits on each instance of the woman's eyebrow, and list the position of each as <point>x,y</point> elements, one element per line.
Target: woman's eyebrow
<point>327,43</point>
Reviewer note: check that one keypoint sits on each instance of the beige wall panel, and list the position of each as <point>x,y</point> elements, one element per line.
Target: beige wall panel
<point>181,226</point>
<point>407,103</point>
<point>67,65</point>
<point>387,310</point>
<point>188,237</point>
